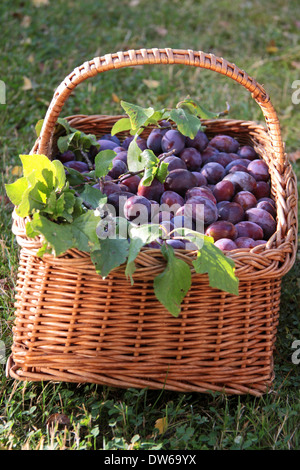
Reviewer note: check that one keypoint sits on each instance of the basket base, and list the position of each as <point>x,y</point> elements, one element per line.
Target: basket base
<point>76,327</point>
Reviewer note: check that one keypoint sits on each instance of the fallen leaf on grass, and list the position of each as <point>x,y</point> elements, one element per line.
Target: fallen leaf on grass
<point>161,31</point>
<point>151,83</point>
<point>26,21</point>
<point>39,3</point>
<point>161,424</point>
<point>271,47</point>
<point>295,64</point>
<point>115,98</point>
<point>59,419</point>
<point>294,156</point>
<point>17,171</point>
<point>27,84</point>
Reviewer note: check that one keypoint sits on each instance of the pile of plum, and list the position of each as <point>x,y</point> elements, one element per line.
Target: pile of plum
<point>228,180</point>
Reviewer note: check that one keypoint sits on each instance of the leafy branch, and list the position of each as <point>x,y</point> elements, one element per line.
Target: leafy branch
<point>66,210</point>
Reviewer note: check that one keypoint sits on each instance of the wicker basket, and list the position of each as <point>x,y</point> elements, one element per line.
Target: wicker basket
<point>70,325</point>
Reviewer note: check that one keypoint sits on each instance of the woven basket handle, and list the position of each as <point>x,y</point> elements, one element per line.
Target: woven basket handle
<point>163,56</point>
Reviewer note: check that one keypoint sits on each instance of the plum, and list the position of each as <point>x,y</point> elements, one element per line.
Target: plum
<point>249,229</point>
<point>264,219</point>
<point>224,191</point>
<point>259,169</point>
<point>199,142</point>
<point>180,181</point>
<point>225,244</point>
<point>221,229</point>
<point>213,172</point>
<point>173,140</point>
<point>225,143</point>
<point>232,212</point>
<point>191,157</point>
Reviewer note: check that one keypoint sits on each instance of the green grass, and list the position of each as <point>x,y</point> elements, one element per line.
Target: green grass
<point>43,44</point>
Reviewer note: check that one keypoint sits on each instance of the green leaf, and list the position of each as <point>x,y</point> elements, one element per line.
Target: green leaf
<point>93,196</point>
<point>139,237</point>
<point>149,158</point>
<point>84,231</point>
<point>134,161</point>
<point>195,108</point>
<point>39,164</point>
<point>162,172</point>
<point>76,140</point>
<point>74,177</point>
<point>138,116</point>
<point>60,175</point>
<point>16,190</point>
<point>63,123</point>
<point>103,162</point>
<point>35,196</point>
<point>80,234</point>
<point>66,141</point>
<point>172,285</point>
<point>210,259</point>
<point>123,124</point>
<point>112,253</point>
<point>149,176</point>
<point>58,236</point>
<point>38,127</point>
<point>187,123</point>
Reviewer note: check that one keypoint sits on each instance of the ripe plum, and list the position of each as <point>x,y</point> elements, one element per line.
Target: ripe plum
<point>82,167</point>
<point>259,169</point>
<point>180,181</point>
<point>232,212</point>
<point>118,169</point>
<point>224,191</point>
<point>192,158</point>
<point>213,172</point>
<point>264,219</point>
<point>200,191</point>
<point>173,140</point>
<point>175,163</point>
<point>245,199</point>
<point>246,151</point>
<point>225,143</point>
<point>137,207</point>
<point>154,191</point>
<point>250,230</point>
<point>221,229</point>
<point>199,142</point>
<point>225,244</point>
<point>242,181</point>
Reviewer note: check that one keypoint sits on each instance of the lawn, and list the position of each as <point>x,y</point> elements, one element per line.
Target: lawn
<point>42,41</point>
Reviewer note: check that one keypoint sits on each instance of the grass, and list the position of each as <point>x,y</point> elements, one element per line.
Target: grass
<point>40,45</point>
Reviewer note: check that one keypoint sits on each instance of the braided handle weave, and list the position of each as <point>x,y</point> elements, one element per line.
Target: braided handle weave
<point>164,56</point>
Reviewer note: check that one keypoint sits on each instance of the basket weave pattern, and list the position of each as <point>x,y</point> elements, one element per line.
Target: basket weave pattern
<point>72,325</point>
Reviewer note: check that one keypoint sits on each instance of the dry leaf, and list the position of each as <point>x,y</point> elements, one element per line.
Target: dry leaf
<point>58,419</point>
<point>271,47</point>
<point>17,171</point>
<point>39,3</point>
<point>27,84</point>
<point>115,98</point>
<point>161,424</point>
<point>294,156</point>
<point>26,21</point>
<point>161,31</point>
<point>295,64</point>
<point>151,83</point>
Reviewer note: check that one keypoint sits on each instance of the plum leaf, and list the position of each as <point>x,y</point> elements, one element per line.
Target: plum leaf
<point>172,285</point>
